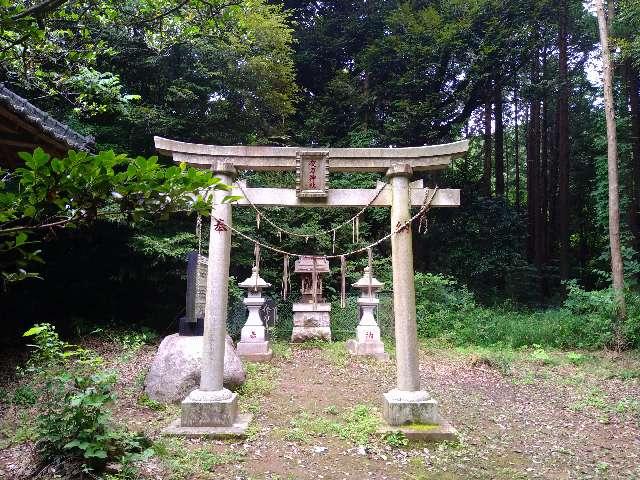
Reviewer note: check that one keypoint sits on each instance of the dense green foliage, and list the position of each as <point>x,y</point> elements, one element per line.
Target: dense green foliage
<point>133,69</point>
<point>335,73</point>
<point>73,393</point>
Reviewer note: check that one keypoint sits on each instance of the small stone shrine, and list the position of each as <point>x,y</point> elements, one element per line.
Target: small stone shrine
<point>311,314</point>
<point>254,345</point>
<point>367,340</point>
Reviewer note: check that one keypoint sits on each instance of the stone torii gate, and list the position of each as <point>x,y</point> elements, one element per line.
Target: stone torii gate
<point>212,410</point>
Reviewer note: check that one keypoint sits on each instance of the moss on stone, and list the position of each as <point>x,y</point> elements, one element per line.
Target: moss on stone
<point>423,427</point>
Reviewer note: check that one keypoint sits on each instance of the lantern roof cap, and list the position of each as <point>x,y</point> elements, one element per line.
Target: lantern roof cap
<point>364,282</point>
<point>255,281</point>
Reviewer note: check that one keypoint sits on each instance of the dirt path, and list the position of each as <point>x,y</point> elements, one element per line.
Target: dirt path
<point>528,414</point>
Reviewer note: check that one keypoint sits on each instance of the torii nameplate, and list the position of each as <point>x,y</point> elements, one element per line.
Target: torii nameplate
<point>312,174</point>
<point>433,157</point>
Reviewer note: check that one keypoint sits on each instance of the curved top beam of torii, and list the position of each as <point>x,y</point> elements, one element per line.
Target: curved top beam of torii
<point>427,158</point>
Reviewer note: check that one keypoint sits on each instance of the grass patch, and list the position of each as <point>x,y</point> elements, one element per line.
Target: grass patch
<point>145,401</point>
<point>576,358</point>
<point>356,426</point>
<point>625,374</point>
<point>541,357</point>
<point>282,350</point>
<point>184,462</point>
<point>25,431</point>
<point>261,378</point>
<point>335,352</point>
<point>628,405</point>
<point>396,439</point>
<point>496,358</point>
<point>593,399</point>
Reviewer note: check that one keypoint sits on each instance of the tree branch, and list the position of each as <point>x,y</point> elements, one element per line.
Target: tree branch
<point>39,10</point>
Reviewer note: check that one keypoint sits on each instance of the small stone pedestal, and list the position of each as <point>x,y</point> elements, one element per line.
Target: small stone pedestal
<point>311,320</point>
<point>254,345</point>
<point>416,415</point>
<point>367,341</point>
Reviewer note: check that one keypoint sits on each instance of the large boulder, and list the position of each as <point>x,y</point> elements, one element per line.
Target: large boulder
<point>175,370</point>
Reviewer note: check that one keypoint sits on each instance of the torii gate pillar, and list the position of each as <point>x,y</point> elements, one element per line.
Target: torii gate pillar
<point>407,403</point>
<point>212,409</point>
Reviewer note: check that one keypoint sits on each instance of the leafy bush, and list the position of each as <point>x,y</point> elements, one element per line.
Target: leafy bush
<point>437,298</point>
<point>73,421</point>
<point>51,193</point>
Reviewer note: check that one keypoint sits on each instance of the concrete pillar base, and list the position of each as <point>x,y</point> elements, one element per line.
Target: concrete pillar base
<point>237,430</point>
<point>402,408</point>
<point>254,351</point>
<point>209,409</point>
<point>442,432</point>
<point>368,349</point>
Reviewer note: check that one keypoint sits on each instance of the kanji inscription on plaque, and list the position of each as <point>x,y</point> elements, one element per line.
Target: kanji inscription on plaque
<point>312,174</point>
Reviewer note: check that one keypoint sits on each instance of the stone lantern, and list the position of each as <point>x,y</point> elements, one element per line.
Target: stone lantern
<point>254,345</point>
<point>367,341</point>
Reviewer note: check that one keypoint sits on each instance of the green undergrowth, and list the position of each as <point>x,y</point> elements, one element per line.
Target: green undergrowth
<point>63,401</point>
<point>281,349</point>
<point>334,352</point>
<point>585,320</point>
<point>529,363</point>
<point>356,425</point>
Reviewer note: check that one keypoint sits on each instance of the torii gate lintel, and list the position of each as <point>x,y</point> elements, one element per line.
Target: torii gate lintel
<point>341,197</point>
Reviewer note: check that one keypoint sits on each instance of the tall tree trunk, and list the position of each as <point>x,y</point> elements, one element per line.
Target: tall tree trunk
<point>516,149</point>
<point>486,175</point>
<point>617,270</point>
<point>499,139</point>
<point>611,5</point>
<point>533,167</point>
<point>543,179</point>
<point>633,90</point>
<point>553,187</point>
<point>531,194</point>
<point>563,143</point>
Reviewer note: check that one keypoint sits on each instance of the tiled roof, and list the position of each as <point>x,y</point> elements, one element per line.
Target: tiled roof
<point>43,121</point>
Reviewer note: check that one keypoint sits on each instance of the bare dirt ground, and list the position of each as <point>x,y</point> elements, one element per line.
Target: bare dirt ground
<point>525,414</point>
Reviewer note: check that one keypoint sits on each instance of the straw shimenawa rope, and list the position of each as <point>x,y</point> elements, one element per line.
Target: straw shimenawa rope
<point>425,207</point>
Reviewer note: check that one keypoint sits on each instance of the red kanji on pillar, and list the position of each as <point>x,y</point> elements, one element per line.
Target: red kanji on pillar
<point>220,226</point>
